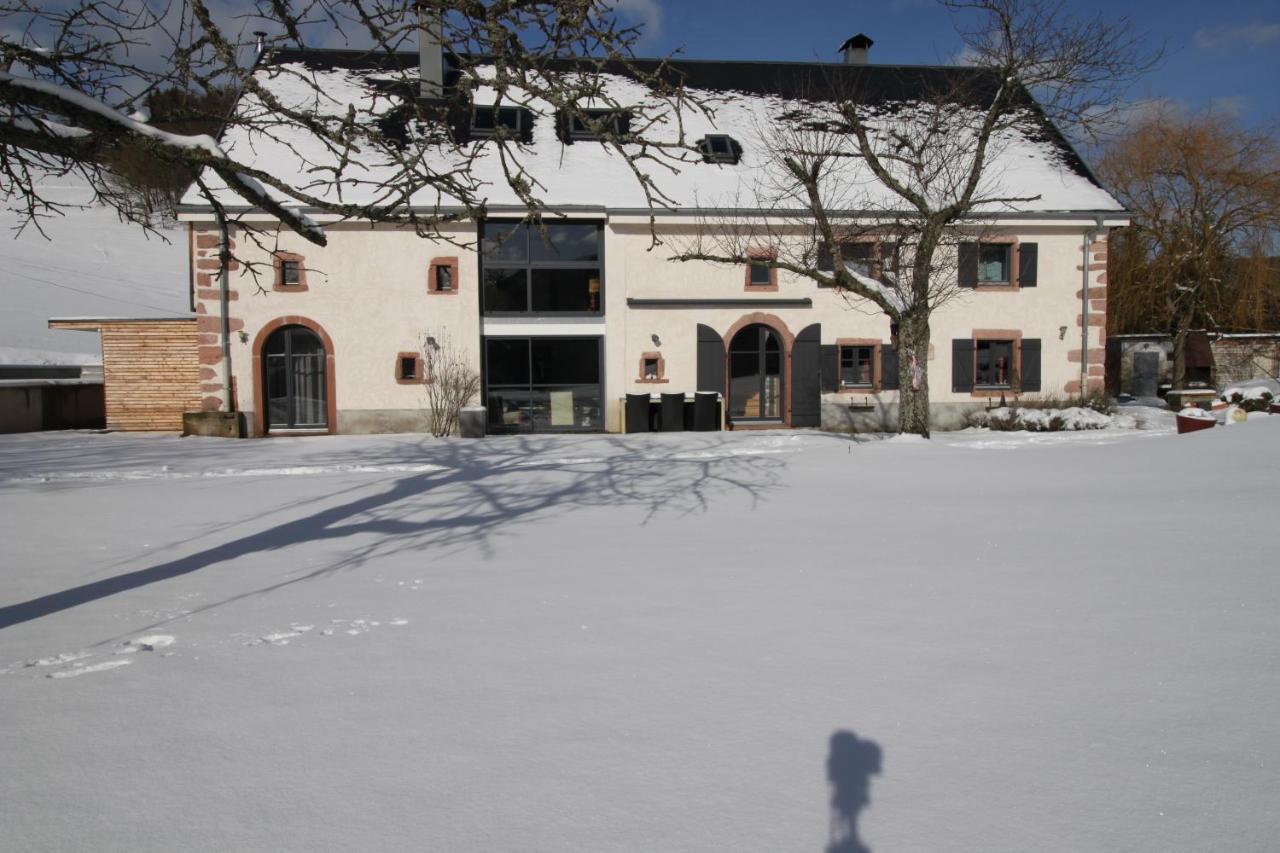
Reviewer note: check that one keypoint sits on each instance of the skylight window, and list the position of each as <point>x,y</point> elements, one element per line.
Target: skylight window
<point>512,122</point>
<point>720,148</point>
<point>593,124</point>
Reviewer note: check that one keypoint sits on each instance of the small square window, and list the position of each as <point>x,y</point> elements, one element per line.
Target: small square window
<point>444,279</point>
<point>857,367</point>
<point>408,367</point>
<point>290,272</point>
<point>761,274</point>
<point>994,263</point>
<point>651,368</point>
<point>993,364</point>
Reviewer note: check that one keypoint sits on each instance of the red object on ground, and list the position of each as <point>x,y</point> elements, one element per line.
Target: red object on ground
<point>1274,409</point>
<point>1190,424</point>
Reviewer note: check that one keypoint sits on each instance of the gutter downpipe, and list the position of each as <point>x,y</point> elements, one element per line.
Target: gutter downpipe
<point>224,286</point>
<point>1090,236</point>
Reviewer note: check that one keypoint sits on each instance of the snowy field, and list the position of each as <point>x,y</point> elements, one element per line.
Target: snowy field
<point>1040,642</point>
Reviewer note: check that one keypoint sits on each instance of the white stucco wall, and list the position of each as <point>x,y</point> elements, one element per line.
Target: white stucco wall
<point>368,290</point>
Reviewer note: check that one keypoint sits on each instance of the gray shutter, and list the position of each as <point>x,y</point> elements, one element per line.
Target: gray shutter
<point>1029,366</point>
<point>968,268</point>
<point>888,367</point>
<point>806,375</point>
<point>710,360</point>
<point>830,358</point>
<point>1027,256</point>
<point>962,364</point>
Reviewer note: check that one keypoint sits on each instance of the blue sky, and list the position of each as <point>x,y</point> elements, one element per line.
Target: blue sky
<point>1224,54</point>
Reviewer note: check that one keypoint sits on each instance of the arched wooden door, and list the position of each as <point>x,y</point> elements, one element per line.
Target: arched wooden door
<point>294,382</point>
<point>756,375</point>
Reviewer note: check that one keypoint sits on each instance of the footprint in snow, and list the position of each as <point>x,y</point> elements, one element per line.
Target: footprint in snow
<point>149,643</point>
<point>88,668</point>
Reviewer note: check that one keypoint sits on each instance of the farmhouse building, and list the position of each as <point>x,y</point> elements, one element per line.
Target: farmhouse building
<point>562,322</point>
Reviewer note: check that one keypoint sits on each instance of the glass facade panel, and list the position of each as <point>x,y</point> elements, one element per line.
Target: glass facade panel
<point>558,274</point>
<point>576,290</point>
<point>570,241</point>
<point>507,242</point>
<point>506,289</point>
<point>543,384</point>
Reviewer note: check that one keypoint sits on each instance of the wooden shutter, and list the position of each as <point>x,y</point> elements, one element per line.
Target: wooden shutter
<point>962,364</point>
<point>806,376</point>
<point>888,367</point>
<point>1027,255</point>
<point>1029,365</point>
<point>968,268</point>
<point>830,361</point>
<point>710,360</point>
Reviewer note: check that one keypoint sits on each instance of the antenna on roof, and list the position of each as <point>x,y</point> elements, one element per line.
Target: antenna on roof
<point>857,50</point>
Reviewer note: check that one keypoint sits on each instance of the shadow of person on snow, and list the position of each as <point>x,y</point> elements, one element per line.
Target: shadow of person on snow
<point>851,762</point>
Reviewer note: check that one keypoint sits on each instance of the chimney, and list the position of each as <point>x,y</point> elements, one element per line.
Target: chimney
<point>430,56</point>
<point>857,50</point>
<point>260,42</point>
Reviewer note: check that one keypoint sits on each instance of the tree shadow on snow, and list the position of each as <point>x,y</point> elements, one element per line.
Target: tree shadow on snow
<point>851,762</point>
<point>481,490</point>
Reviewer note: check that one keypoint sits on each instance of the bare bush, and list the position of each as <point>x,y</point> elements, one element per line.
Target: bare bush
<point>450,380</point>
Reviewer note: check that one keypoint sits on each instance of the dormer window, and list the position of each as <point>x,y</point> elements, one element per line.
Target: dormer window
<point>593,124</point>
<point>720,148</point>
<point>488,122</point>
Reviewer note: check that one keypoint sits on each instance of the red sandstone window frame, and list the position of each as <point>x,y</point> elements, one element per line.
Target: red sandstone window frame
<point>433,277</point>
<point>660,376</point>
<point>1014,338</point>
<point>858,343</point>
<point>754,259</point>
<point>278,261</point>
<point>418,372</point>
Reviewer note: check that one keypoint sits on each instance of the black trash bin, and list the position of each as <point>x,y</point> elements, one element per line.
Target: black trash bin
<point>637,413</point>
<point>706,411</point>
<point>672,412</point>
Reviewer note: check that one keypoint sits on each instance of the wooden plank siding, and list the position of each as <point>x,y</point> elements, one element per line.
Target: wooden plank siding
<point>151,371</point>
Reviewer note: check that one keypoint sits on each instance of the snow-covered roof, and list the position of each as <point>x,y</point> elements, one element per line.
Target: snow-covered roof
<point>1033,159</point>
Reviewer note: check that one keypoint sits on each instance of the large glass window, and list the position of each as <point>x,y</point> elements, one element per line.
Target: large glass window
<point>857,366</point>
<point>543,384</point>
<point>993,364</point>
<point>293,362</point>
<point>552,270</point>
<point>994,263</point>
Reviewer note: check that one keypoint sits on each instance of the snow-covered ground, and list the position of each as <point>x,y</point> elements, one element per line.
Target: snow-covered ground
<point>1048,642</point>
<point>86,264</point>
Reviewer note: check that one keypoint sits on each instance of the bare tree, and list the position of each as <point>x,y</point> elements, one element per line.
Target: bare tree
<point>1205,197</point>
<point>450,380</point>
<point>74,76</point>
<point>916,174</point>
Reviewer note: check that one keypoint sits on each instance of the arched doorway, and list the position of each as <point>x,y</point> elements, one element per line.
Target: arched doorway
<point>294,380</point>
<point>756,375</point>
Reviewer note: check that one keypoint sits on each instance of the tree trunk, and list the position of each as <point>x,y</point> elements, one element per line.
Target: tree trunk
<point>913,373</point>
<point>1179,371</point>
